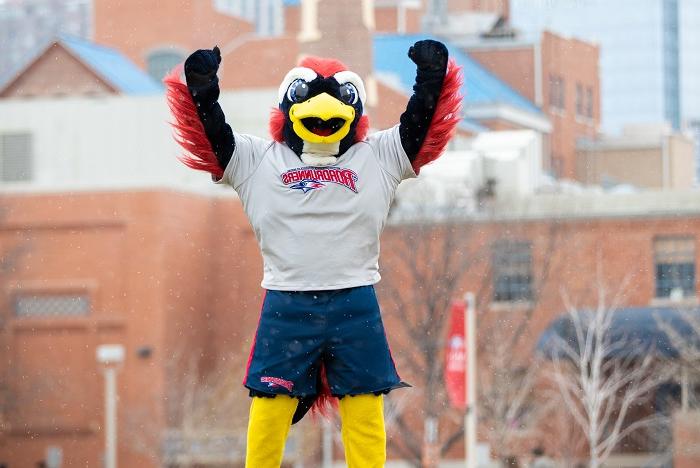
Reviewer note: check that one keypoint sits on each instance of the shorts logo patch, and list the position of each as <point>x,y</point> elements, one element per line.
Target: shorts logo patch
<point>273,382</point>
<point>306,179</point>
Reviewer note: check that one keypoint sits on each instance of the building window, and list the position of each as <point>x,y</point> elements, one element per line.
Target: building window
<point>16,157</point>
<point>579,99</point>
<point>557,94</point>
<point>51,305</point>
<point>588,111</point>
<point>160,62</point>
<point>674,264</point>
<point>512,271</point>
<point>584,101</point>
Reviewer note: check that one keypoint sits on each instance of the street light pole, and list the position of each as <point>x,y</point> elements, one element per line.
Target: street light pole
<point>110,417</point>
<point>470,419</point>
<point>110,356</point>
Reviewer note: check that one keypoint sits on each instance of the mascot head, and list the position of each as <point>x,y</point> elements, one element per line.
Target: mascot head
<point>320,111</point>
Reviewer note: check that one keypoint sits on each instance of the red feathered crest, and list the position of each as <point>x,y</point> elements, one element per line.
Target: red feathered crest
<point>323,66</point>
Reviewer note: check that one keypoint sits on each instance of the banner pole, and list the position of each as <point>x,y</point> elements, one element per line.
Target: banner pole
<point>470,420</point>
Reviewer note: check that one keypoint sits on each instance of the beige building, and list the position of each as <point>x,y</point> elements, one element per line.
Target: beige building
<point>643,156</point>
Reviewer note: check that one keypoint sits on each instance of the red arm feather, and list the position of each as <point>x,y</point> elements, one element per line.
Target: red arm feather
<point>445,119</point>
<point>189,131</point>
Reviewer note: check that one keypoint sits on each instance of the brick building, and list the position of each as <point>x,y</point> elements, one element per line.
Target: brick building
<point>89,256</point>
<point>661,157</point>
<point>114,267</point>
<point>522,256</point>
<point>556,73</point>
<point>167,273</point>
<point>70,66</point>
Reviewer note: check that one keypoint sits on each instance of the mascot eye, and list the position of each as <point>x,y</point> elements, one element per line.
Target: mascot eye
<point>348,93</point>
<point>298,91</point>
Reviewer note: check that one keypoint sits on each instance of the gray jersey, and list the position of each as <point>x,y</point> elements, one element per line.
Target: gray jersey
<point>318,227</point>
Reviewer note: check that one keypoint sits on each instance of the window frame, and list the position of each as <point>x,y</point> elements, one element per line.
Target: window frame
<point>84,308</point>
<point>28,160</point>
<point>519,287</point>
<point>557,92</point>
<point>665,256</point>
<point>178,55</point>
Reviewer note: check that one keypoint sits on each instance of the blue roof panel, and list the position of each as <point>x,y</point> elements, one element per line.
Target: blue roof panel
<point>113,66</point>
<point>480,85</point>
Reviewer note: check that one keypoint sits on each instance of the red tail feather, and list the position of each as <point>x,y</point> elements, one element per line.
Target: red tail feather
<point>189,131</point>
<point>445,120</point>
<point>325,400</point>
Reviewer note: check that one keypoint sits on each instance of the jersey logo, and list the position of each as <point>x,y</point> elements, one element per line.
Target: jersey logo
<point>307,179</point>
<point>307,185</point>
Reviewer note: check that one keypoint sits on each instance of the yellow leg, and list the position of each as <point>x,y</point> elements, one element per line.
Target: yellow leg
<point>268,426</point>
<point>364,436</point>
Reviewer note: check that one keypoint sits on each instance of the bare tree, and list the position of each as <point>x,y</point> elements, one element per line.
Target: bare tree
<point>509,408</point>
<point>426,253</point>
<point>684,337</point>
<point>602,377</point>
<point>204,413</point>
<point>434,241</point>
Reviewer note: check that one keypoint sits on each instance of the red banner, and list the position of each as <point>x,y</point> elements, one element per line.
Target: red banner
<point>456,358</point>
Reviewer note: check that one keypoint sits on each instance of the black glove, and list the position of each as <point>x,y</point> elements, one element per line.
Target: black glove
<point>429,55</point>
<point>201,66</point>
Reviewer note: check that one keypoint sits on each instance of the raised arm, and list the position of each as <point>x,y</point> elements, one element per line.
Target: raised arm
<point>200,126</point>
<point>203,84</point>
<point>433,111</point>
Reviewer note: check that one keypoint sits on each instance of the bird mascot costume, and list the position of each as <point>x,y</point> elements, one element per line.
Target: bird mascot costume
<point>317,196</point>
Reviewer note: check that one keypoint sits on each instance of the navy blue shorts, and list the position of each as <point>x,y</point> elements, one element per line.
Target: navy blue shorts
<point>299,330</point>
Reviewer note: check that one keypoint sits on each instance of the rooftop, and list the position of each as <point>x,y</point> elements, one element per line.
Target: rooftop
<point>108,64</point>
<point>480,85</point>
<point>595,203</point>
<point>112,66</point>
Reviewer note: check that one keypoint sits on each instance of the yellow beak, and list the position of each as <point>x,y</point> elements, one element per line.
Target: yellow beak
<point>325,107</point>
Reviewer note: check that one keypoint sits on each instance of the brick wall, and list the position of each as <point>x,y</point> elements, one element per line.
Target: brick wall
<point>137,27</point>
<point>180,274</point>
<point>576,62</point>
<point>566,256</point>
<point>514,65</point>
<point>386,20</point>
<point>344,35</point>
<point>667,164</point>
<point>686,439</point>
<point>164,271</point>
